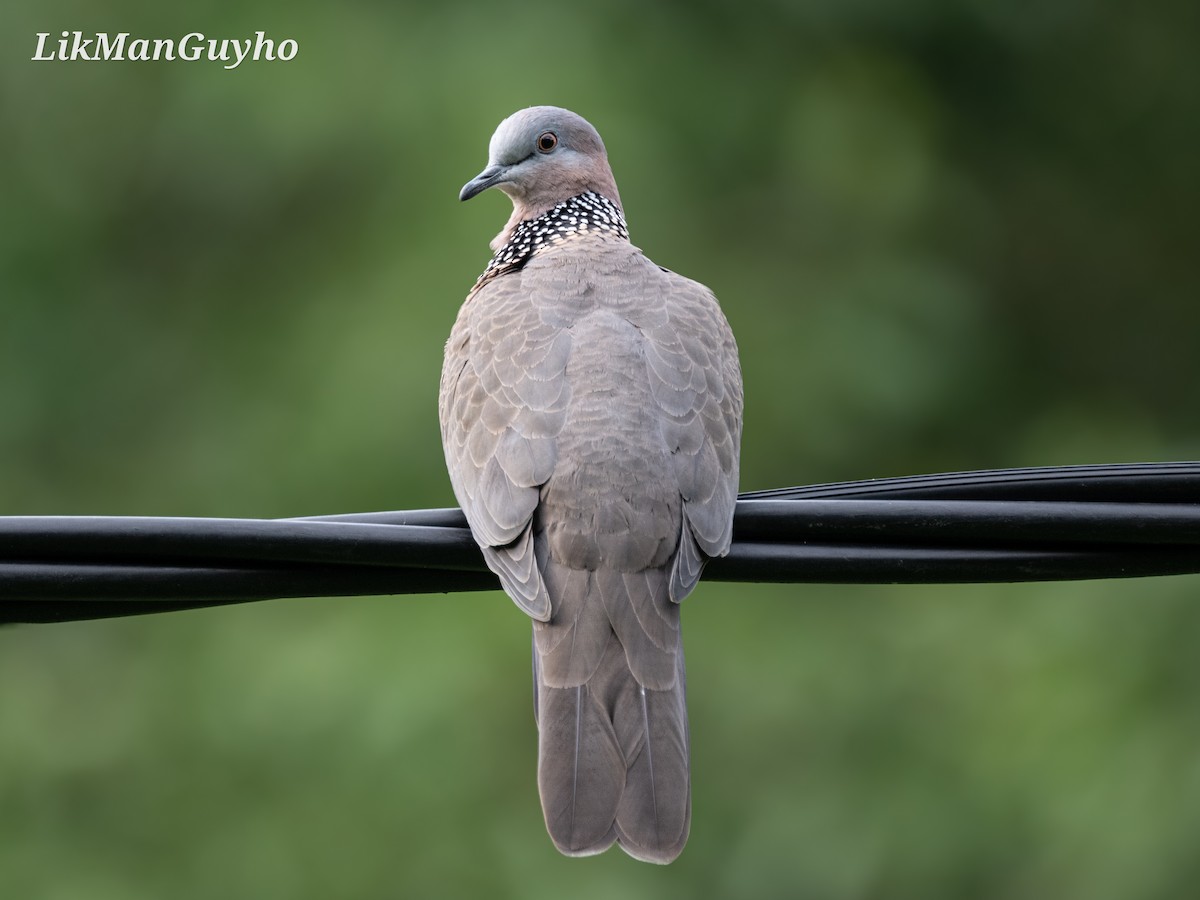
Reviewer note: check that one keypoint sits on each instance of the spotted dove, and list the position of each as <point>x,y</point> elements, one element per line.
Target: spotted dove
<point>591,413</point>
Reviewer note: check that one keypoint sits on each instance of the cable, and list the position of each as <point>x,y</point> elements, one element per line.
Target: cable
<point>1007,525</point>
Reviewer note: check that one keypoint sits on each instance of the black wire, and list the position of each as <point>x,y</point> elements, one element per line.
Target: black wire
<point>1164,482</point>
<point>1004,525</point>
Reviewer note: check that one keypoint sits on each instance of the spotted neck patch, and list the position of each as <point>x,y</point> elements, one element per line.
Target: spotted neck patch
<point>587,213</point>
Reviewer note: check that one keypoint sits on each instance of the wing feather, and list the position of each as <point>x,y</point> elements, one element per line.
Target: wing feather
<point>692,364</point>
<point>502,404</point>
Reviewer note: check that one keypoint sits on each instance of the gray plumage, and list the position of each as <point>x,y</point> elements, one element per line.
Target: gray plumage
<point>591,407</point>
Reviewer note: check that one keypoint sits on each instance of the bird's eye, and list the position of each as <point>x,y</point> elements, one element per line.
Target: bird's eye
<point>547,141</point>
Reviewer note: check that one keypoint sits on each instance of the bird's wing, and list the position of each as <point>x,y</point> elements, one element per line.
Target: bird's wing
<point>696,381</point>
<point>502,404</point>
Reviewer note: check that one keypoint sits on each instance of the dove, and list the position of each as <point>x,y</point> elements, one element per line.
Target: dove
<point>591,417</point>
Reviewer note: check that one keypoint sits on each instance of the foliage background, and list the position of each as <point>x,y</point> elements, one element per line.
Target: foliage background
<point>949,235</point>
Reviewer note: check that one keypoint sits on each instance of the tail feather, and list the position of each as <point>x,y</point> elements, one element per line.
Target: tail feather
<point>570,646</point>
<point>613,753</point>
<point>651,652</point>
<point>655,812</point>
<point>581,769</point>
<point>647,592</point>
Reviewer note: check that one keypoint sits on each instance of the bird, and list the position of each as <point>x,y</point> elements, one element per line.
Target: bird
<point>591,417</point>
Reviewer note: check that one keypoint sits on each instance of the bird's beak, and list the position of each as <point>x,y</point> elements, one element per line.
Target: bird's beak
<point>481,182</point>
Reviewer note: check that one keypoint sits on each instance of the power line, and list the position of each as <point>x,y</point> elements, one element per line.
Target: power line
<point>1041,524</point>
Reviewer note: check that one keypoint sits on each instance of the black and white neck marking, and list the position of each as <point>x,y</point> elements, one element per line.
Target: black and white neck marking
<point>588,213</point>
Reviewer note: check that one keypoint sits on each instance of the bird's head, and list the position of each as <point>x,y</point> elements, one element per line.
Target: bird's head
<point>541,156</point>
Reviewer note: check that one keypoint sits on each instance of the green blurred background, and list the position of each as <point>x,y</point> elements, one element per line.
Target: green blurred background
<point>949,235</point>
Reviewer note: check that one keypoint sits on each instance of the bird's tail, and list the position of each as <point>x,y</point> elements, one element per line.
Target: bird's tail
<point>612,717</point>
